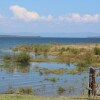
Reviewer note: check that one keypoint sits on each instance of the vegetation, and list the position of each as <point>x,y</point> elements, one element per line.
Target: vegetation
<point>7,58</point>
<point>50,71</point>
<point>37,49</point>
<point>82,54</point>
<point>97,51</point>
<point>51,79</point>
<point>25,90</point>
<point>22,57</point>
<point>61,90</point>
<point>31,97</point>
<point>10,90</point>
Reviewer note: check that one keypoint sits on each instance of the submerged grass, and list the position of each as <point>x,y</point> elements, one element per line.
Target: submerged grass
<point>83,55</point>
<point>50,71</point>
<point>52,79</point>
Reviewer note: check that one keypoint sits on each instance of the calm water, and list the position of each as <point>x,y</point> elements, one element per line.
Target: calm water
<point>27,76</point>
<point>8,42</point>
<point>22,76</point>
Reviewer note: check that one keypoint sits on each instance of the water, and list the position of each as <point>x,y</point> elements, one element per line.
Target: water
<point>22,76</point>
<point>27,76</point>
<point>9,42</point>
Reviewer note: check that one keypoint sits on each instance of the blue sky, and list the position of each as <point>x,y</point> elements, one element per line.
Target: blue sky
<point>54,18</point>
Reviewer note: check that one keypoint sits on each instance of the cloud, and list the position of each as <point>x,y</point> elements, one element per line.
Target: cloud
<point>26,15</point>
<point>76,17</point>
<point>23,14</point>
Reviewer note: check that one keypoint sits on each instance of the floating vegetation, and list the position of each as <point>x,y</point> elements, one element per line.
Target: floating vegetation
<point>21,57</point>
<point>52,79</point>
<point>97,50</point>
<point>82,54</point>
<point>61,90</point>
<point>70,89</point>
<point>24,90</point>
<point>10,90</point>
<point>50,71</point>
<point>7,58</point>
<point>73,72</point>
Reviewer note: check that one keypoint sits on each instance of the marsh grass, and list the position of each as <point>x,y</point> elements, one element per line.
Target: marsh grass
<point>50,71</point>
<point>83,54</point>
<point>52,79</point>
<point>21,57</point>
<point>10,90</point>
<point>7,58</point>
<point>24,90</point>
<point>97,50</point>
<point>61,90</point>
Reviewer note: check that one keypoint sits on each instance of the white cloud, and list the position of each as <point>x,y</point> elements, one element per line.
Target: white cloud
<point>76,17</point>
<point>24,14</point>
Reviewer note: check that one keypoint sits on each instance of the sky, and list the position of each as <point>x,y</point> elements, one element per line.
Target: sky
<point>50,18</point>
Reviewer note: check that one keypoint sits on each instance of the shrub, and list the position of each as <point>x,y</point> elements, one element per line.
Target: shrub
<point>97,51</point>
<point>61,90</point>
<point>25,90</point>
<point>38,49</point>
<point>7,58</point>
<point>74,51</point>
<point>22,57</point>
<point>10,90</point>
<point>51,79</point>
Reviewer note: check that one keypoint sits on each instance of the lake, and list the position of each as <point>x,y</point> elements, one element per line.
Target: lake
<point>23,76</point>
<point>9,42</point>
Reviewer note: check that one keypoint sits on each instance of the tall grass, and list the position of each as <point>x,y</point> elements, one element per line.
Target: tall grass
<point>24,90</point>
<point>7,58</point>
<point>97,51</point>
<point>21,57</point>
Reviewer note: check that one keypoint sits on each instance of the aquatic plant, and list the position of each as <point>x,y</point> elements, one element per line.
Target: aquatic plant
<point>41,49</point>
<point>51,79</point>
<point>72,71</point>
<point>51,71</point>
<point>97,51</point>
<point>82,54</point>
<point>71,89</point>
<point>7,58</point>
<point>24,90</point>
<point>61,90</point>
<point>22,57</point>
<point>10,90</point>
<point>73,50</point>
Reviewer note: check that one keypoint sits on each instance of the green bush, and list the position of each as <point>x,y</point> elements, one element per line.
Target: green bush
<point>74,51</point>
<point>97,51</point>
<point>61,90</point>
<point>7,58</point>
<point>22,57</point>
<point>38,49</point>
<point>25,90</point>
<point>51,79</point>
<point>10,90</point>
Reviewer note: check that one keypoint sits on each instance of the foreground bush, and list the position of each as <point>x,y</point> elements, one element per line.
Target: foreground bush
<point>22,57</point>
<point>61,90</point>
<point>7,58</point>
<point>97,51</point>
<point>25,90</point>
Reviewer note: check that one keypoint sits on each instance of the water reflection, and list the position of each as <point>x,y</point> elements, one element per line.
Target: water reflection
<point>11,68</point>
<point>23,68</point>
<point>23,75</point>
